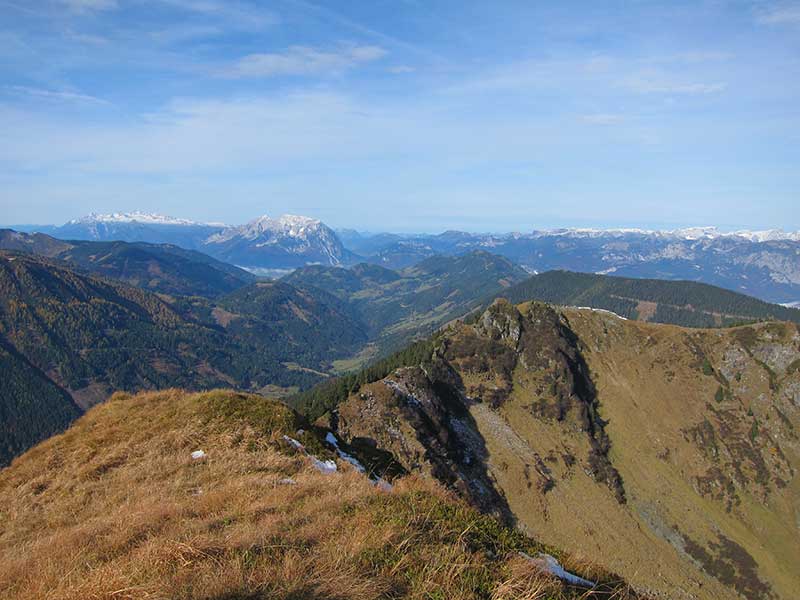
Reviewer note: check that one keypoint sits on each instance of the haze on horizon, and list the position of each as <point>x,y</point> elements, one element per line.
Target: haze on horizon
<point>405,116</point>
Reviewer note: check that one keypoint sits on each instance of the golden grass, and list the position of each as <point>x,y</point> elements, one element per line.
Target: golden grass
<point>116,509</point>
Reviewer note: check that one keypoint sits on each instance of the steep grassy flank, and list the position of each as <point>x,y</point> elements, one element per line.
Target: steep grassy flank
<point>684,303</point>
<point>116,508</point>
<point>156,267</point>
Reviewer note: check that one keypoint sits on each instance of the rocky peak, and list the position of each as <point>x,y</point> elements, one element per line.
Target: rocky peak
<point>501,321</point>
<point>426,416</point>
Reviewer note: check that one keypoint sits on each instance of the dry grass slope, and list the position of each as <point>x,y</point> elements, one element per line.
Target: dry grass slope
<point>115,508</point>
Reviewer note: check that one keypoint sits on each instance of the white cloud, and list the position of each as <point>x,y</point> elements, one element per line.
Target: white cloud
<point>302,60</point>
<point>54,95</point>
<point>85,6</point>
<point>261,133</point>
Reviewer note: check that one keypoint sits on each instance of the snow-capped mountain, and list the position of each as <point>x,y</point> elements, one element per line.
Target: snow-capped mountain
<point>287,241</point>
<point>138,217</point>
<point>137,227</point>
<point>765,264</point>
<point>687,233</point>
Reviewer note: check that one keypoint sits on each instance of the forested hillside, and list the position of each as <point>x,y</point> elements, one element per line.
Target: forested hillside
<point>685,303</point>
<point>155,267</point>
<point>397,306</point>
<point>32,407</point>
<point>70,339</point>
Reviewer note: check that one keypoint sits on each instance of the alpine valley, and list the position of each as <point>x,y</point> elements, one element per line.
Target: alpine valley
<point>280,410</point>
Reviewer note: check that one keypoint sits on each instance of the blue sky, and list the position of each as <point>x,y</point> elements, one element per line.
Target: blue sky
<point>403,115</point>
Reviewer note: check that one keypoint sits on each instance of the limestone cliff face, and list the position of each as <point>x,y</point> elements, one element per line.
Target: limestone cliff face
<point>669,455</point>
<point>424,422</point>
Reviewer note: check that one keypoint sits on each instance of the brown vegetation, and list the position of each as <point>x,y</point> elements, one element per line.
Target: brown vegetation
<point>116,508</point>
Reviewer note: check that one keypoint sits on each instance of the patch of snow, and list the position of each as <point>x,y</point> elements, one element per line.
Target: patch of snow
<point>600,310</point>
<point>331,439</point>
<point>198,454</point>
<point>550,565</point>
<point>294,443</point>
<point>383,485</point>
<point>379,482</point>
<point>323,466</point>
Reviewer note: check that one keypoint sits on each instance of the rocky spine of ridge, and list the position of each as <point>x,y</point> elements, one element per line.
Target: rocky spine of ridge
<point>542,342</point>
<point>422,415</point>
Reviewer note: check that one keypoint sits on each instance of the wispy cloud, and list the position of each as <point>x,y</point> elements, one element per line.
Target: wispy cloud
<point>54,95</point>
<point>603,119</point>
<point>785,14</point>
<point>244,15</point>
<point>180,34</point>
<point>646,85</point>
<point>697,56</point>
<point>302,60</point>
<point>87,6</point>
<point>87,38</point>
<point>399,69</point>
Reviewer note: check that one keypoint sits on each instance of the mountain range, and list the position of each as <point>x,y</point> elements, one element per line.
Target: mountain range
<point>286,242</point>
<point>764,264</point>
<point>667,454</point>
